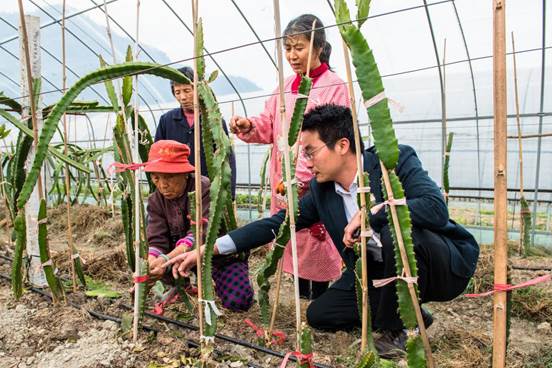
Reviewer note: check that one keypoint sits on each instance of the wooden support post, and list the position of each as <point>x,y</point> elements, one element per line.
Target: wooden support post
<point>137,194</point>
<point>65,150</point>
<point>287,162</point>
<point>29,34</point>
<point>367,340</point>
<point>500,183</point>
<point>295,157</point>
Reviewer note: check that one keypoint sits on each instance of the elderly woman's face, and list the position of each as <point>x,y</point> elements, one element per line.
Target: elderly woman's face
<point>171,186</point>
<point>184,94</point>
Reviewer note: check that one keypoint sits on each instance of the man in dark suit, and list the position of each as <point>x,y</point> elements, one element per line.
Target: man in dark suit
<point>446,253</point>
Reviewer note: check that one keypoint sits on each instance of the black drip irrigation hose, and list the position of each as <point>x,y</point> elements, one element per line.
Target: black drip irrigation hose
<point>107,317</point>
<point>177,323</point>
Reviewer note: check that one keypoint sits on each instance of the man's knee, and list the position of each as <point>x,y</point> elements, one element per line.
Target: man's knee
<point>320,318</point>
<point>316,317</point>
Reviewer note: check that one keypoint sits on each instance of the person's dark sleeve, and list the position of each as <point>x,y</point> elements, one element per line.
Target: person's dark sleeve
<point>423,197</point>
<point>265,230</point>
<point>157,229</point>
<point>232,163</point>
<point>160,132</point>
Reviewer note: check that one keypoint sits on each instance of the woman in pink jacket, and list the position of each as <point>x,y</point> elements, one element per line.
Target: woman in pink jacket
<point>319,261</point>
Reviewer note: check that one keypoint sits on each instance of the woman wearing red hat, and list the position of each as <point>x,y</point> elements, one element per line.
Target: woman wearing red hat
<point>169,232</point>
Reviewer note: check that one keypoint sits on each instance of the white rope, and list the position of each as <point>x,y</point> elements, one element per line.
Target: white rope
<point>367,233</point>
<point>374,100</point>
<point>392,201</point>
<point>380,97</point>
<point>210,306</point>
<point>48,263</point>
<point>207,339</point>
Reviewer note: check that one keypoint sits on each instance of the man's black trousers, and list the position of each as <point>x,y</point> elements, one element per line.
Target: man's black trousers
<point>337,309</point>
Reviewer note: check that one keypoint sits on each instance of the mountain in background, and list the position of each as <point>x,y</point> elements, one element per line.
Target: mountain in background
<point>85,39</point>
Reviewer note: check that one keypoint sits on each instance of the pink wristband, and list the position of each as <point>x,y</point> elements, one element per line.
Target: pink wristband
<point>187,242</point>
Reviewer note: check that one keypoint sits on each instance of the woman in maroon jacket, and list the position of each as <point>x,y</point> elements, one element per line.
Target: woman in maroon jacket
<point>169,231</point>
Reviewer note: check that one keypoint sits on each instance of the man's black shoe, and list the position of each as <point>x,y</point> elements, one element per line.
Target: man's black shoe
<point>427,317</point>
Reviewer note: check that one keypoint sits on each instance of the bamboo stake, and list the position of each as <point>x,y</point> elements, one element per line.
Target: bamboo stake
<point>520,149</point>
<point>500,183</point>
<point>287,163</point>
<point>311,45</point>
<point>137,195</point>
<point>295,157</point>
<point>366,338</point>
<point>406,269</point>
<point>444,117</point>
<point>235,202</point>
<point>197,164</point>
<point>65,150</point>
<point>30,85</point>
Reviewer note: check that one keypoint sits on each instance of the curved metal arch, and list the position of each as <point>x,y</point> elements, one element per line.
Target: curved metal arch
<point>88,47</point>
<point>141,49</point>
<point>57,89</point>
<point>10,79</point>
<point>76,25</point>
<point>124,31</point>
<point>478,138</point>
<point>211,57</point>
<point>443,128</point>
<point>58,21</point>
<point>255,33</point>
<point>56,59</point>
<point>235,90</point>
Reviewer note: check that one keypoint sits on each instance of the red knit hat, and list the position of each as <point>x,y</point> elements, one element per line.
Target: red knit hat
<point>170,157</point>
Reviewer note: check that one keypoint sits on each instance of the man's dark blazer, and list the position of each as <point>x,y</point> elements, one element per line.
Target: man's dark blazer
<point>424,199</point>
<point>173,125</point>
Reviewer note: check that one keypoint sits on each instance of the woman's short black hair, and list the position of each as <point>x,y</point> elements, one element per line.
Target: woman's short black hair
<point>303,25</point>
<point>188,72</point>
<point>332,122</point>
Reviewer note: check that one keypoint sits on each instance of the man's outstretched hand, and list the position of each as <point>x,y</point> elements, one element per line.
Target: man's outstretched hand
<point>351,232</point>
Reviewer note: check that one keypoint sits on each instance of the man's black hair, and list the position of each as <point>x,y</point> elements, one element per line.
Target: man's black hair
<point>332,122</point>
<point>188,72</point>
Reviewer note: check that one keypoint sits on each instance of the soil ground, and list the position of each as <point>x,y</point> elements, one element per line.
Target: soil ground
<point>34,333</point>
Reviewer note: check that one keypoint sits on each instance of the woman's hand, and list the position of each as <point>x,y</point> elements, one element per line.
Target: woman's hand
<point>183,262</point>
<point>351,234</point>
<point>156,267</point>
<point>239,124</point>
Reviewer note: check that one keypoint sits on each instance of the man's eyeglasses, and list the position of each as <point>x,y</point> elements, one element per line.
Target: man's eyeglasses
<point>310,154</point>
